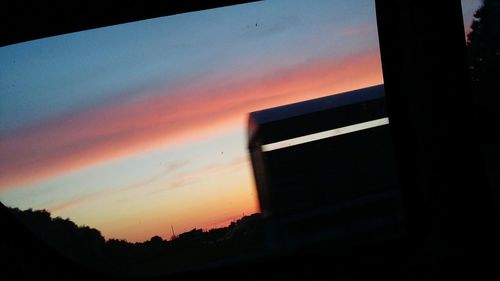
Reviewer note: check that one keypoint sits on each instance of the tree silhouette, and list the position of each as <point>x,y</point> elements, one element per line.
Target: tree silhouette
<point>483,44</point>
<point>88,247</point>
<point>82,244</point>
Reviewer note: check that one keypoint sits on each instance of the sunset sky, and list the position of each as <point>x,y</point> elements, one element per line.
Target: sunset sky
<point>135,128</point>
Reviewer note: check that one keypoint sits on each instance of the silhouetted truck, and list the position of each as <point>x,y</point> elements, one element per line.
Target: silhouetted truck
<point>325,171</point>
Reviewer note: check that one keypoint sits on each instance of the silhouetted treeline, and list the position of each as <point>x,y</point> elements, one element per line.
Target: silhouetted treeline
<point>190,250</point>
<point>83,244</point>
<point>483,44</point>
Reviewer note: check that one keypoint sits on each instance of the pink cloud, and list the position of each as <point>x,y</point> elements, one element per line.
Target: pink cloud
<point>180,115</point>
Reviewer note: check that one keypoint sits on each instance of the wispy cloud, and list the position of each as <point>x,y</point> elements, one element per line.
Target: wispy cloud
<point>171,169</point>
<point>182,114</point>
<point>171,176</point>
<point>201,173</point>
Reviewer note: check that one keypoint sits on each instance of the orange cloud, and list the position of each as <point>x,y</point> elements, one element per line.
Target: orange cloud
<point>178,116</point>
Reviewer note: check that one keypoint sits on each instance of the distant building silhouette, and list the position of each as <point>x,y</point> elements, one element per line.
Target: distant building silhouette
<point>194,234</point>
<point>325,171</point>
